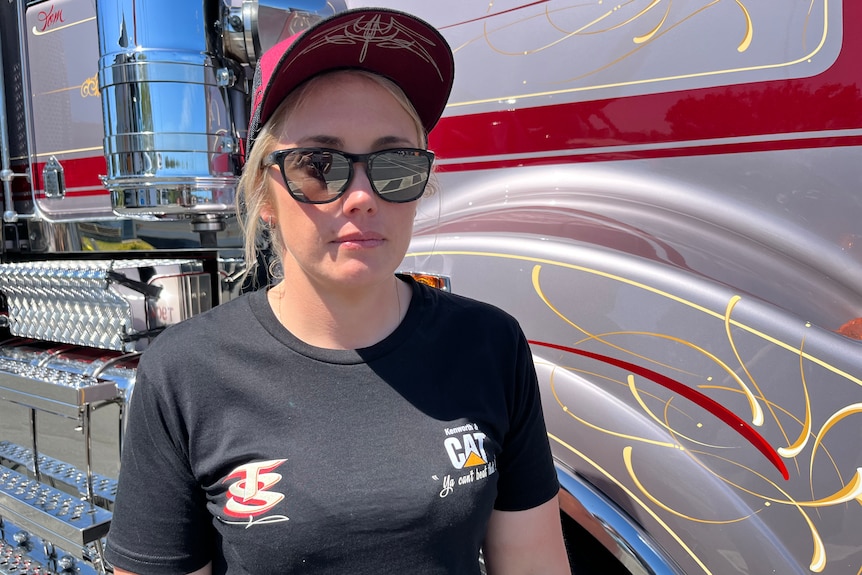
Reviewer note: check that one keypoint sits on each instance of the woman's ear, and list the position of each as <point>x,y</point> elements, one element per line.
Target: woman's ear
<point>267,215</point>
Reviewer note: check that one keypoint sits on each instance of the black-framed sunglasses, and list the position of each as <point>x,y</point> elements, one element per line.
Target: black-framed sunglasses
<point>321,175</point>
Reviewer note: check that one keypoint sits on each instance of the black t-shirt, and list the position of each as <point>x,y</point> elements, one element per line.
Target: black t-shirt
<point>251,449</point>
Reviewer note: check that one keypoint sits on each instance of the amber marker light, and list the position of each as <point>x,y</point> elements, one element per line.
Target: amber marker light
<point>431,280</point>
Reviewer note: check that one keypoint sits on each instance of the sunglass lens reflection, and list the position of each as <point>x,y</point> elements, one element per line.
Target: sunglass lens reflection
<point>399,176</point>
<point>319,176</point>
<point>308,174</point>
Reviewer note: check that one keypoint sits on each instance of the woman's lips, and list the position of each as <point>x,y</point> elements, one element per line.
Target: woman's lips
<point>360,241</point>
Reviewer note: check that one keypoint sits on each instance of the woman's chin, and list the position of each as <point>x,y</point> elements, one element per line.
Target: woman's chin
<point>357,272</point>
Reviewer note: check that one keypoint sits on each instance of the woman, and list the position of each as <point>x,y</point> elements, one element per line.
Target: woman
<point>345,420</point>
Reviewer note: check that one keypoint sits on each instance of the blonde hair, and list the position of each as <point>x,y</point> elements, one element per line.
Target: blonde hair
<point>252,190</point>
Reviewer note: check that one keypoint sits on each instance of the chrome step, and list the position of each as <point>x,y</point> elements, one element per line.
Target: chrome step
<point>24,554</point>
<point>15,560</point>
<point>52,390</point>
<point>67,521</point>
<point>59,472</point>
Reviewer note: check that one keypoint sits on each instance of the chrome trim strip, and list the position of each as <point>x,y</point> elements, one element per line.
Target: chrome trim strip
<point>659,146</point>
<point>6,173</point>
<point>5,166</point>
<point>29,130</point>
<point>644,555</point>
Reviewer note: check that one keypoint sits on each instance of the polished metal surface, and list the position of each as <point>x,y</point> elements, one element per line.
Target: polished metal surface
<point>174,107</point>
<point>5,166</point>
<point>51,390</point>
<point>171,130</point>
<point>265,23</point>
<point>55,179</point>
<point>50,513</point>
<point>64,406</point>
<point>22,553</point>
<point>19,82</point>
<point>629,543</point>
<point>15,559</point>
<point>59,473</point>
<point>109,304</point>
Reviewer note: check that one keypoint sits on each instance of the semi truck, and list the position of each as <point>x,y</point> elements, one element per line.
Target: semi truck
<point>664,193</point>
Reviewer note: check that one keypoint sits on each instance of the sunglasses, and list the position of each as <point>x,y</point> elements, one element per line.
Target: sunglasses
<point>322,175</point>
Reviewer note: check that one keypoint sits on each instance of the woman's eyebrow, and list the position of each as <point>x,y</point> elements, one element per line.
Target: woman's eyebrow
<point>387,141</point>
<point>324,141</point>
<point>321,141</point>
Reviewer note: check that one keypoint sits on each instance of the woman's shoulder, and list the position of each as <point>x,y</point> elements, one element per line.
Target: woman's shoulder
<point>465,311</point>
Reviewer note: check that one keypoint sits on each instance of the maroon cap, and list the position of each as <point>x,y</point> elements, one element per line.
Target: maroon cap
<point>399,46</point>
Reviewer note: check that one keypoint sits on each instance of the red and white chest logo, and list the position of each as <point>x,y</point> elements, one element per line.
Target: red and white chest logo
<point>251,494</point>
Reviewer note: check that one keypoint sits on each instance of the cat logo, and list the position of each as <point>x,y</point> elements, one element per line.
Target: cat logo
<point>469,451</point>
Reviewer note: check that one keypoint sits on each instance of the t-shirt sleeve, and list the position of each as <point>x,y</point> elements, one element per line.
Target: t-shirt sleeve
<point>160,523</point>
<point>527,474</point>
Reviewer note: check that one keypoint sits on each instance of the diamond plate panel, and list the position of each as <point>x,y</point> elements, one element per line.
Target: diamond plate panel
<point>104,304</point>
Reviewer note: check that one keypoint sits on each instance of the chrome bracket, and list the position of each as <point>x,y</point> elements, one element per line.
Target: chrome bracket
<point>54,179</point>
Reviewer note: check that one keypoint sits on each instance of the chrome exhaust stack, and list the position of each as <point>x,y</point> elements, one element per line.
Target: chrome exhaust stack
<point>173,78</point>
<point>256,25</point>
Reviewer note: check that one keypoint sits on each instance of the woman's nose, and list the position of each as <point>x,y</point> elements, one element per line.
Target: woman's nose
<point>359,195</point>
